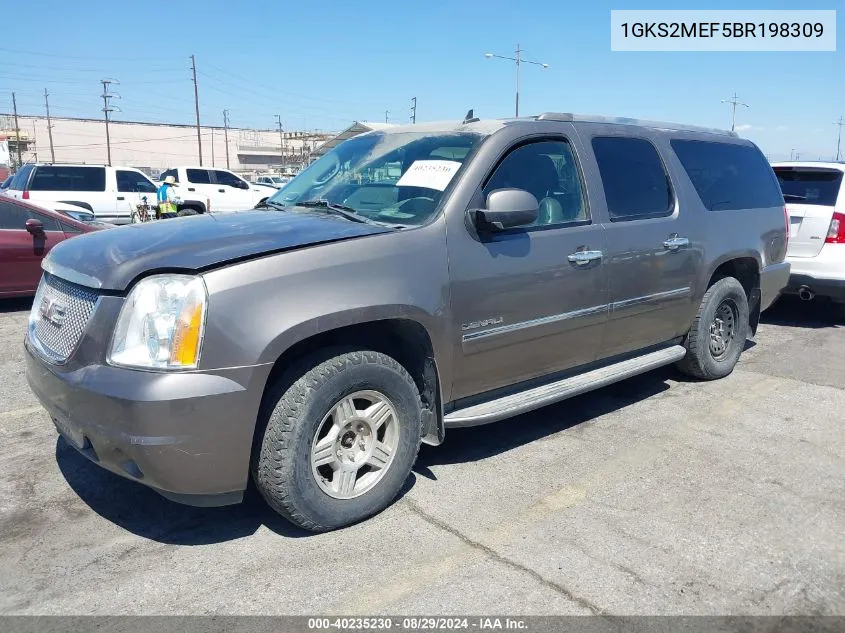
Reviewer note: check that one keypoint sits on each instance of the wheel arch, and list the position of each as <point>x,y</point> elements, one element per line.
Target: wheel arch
<point>398,335</point>
<point>745,267</point>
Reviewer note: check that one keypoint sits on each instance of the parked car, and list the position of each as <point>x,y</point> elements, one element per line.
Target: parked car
<point>277,182</point>
<point>547,257</point>
<point>111,193</point>
<point>27,234</point>
<point>224,190</point>
<point>815,201</point>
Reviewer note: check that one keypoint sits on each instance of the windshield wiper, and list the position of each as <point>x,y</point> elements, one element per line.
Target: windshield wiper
<point>346,212</point>
<point>793,196</point>
<point>270,204</point>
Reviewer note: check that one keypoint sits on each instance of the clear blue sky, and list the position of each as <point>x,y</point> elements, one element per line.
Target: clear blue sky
<point>324,64</point>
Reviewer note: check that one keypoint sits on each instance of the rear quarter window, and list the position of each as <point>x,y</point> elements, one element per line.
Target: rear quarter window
<point>728,176</point>
<point>60,178</point>
<point>810,185</point>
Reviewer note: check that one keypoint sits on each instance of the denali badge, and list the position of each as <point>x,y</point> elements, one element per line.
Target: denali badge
<point>474,325</point>
<point>52,311</point>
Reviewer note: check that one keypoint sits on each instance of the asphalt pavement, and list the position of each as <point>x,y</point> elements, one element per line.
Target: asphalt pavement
<point>657,495</point>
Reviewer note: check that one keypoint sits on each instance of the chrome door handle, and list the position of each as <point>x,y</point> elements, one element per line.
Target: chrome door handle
<point>582,258</point>
<point>675,242</point>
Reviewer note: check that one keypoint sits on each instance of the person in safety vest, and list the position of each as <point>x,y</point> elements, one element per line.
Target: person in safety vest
<point>167,198</point>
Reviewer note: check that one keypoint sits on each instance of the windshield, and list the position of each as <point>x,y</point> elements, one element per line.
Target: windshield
<point>807,185</point>
<point>396,178</point>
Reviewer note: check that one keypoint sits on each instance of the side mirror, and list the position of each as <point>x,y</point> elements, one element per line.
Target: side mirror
<point>35,227</point>
<point>507,208</point>
<point>243,185</point>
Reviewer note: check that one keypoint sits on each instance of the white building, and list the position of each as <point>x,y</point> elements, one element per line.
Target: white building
<point>153,147</point>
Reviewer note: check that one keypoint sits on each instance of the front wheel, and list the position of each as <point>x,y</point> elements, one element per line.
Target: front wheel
<point>340,441</point>
<point>718,333</point>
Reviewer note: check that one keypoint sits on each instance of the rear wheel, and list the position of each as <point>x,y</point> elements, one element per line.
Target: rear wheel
<point>718,333</point>
<point>341,438</point>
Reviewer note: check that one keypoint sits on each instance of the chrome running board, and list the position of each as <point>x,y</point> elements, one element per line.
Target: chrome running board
<point>524,401</point>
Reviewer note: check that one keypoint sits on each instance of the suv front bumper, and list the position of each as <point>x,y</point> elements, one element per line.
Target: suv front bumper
<point>186,435</point>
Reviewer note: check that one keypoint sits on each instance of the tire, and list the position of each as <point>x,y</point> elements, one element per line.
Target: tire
<point>704,359</point>
<point>299,411</point>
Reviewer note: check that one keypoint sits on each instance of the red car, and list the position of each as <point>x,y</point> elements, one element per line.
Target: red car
<point>27,233</point>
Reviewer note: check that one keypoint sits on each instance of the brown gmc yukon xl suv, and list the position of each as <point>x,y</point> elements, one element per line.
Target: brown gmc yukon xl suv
<point>410,280</point>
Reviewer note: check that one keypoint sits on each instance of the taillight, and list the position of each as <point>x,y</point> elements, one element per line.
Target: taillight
<point>786,222</point>
<point>836,232</point>
<point>25,195</point>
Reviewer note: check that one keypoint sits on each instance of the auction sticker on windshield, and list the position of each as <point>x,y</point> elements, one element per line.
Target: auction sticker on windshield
<point>431,174</point>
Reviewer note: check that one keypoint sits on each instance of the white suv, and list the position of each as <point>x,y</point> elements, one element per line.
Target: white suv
<point>111,193</point>
<point>814,193</point>
<point>223,190</point>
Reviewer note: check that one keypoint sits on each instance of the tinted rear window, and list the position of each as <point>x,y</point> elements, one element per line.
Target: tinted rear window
<point>60,178</point>
<point>805,185</point>
<point>727,176</point>
<point>198,176</point>
<point>635,183</point>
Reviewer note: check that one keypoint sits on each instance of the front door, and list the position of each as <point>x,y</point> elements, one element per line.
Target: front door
<point>232,191</point>
<point>652,252</point>
<point>529,301</point>
<point>20,251</point>
<point>131,187</point>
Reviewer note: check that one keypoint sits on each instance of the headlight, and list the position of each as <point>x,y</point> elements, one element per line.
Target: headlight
<point>161,324</point>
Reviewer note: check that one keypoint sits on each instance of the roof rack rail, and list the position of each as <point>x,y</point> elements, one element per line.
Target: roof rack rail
<point>660,125</point>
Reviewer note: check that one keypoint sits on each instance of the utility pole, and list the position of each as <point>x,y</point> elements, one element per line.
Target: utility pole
<point>17,130</point>
<point>734,101</point>
<point>413,110</point>
<point>839,123</point>
<point>281,138</point>
<point>49,126</point>
<point>226,134</point>
<point>197,106</point>
<point>106,110</point>
<point>386,112</point>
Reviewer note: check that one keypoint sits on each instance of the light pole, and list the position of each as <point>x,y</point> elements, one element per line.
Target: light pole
<point>517,60</point>
<point>734,101</point>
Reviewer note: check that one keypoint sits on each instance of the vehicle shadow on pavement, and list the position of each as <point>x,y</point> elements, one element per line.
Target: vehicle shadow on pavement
<point>574,415</point>
<point>141,511</point>
<point>15,305</point>
<point>792,312</point>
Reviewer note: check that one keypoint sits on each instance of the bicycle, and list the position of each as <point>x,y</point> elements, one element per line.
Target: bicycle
<point>144,212</point>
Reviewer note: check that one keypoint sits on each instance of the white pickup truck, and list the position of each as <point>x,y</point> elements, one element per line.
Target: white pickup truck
<point>213,189</point>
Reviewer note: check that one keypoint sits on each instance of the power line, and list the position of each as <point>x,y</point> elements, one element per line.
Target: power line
<point>197,106</point>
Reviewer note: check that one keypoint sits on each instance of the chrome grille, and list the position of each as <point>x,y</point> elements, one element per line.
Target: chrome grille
<point>60,312</point>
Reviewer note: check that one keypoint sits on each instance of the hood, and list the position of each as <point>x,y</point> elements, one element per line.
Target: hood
<point>112,259</point>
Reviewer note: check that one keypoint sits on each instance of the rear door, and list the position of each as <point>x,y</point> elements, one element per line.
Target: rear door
<point>653,242</point>
<point>21,252</point>
<point>199,186</point>
<point>812,194</point>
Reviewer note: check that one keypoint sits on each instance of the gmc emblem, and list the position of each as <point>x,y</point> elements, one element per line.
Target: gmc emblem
<point>52,311</point>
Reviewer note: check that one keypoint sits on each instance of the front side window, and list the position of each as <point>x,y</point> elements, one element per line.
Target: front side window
<point>133,182</point>
<point>636,185</point>
<point>62,178</point>
<point>548,171</point>
<point>728,176</point>
<point>199,176</point>
<point>397,178</point>
<point>810,185</point>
